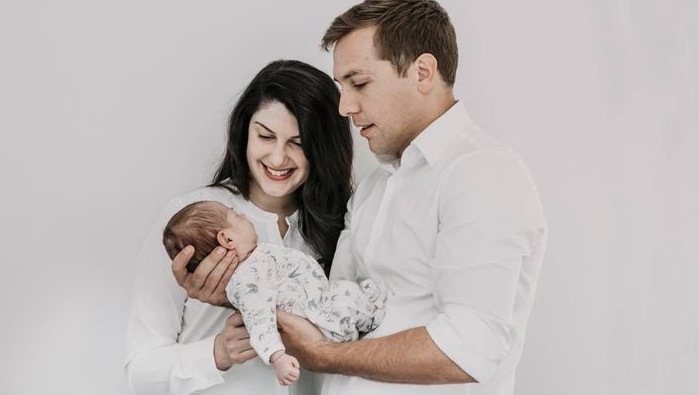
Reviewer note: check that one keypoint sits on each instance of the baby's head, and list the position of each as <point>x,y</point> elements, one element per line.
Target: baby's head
<point>207,225</point>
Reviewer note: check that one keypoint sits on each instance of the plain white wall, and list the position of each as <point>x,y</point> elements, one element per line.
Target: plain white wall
<point>107,109</point>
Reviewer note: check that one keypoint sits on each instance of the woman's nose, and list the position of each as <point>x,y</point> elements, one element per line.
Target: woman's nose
<point>278,155</point>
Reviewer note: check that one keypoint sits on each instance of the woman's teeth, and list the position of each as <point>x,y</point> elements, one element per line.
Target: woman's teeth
<point>278,173</point>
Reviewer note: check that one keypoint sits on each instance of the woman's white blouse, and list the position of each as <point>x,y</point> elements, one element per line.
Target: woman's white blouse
<point>170,338</point>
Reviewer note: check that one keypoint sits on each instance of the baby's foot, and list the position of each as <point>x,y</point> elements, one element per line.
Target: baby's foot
<point>376,294</point>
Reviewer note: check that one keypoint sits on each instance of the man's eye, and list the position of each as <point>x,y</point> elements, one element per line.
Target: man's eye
<point>359,85</point>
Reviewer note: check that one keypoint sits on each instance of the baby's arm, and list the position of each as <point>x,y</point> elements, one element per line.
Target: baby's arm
<point>285,366</point>
<point>255,297</point>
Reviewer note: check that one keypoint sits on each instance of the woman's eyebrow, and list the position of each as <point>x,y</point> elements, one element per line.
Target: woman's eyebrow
<point>298,136</point>
<point>264,127</point>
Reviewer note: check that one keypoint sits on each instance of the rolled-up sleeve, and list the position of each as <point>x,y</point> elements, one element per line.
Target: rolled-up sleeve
<point>489,218</point>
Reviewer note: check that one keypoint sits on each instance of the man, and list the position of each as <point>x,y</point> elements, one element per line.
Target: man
<point>450,221</point>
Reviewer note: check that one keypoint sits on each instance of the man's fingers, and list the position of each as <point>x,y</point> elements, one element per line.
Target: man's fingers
<point>284,319</point>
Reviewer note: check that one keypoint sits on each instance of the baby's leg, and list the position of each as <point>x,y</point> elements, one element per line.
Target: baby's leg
<point>376,295</point>
<point>348,308</point>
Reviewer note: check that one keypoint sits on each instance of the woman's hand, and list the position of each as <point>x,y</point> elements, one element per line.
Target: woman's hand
<point>208,282</point>
<point>232,346</point>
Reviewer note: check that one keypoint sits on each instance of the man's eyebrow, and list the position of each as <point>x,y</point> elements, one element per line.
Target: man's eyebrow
<point>348,75</point>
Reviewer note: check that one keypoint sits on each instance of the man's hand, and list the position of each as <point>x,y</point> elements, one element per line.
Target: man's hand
<point>300,337</point>
<point>232,346</point>
<point>208,282</point>
<point>410,356</point>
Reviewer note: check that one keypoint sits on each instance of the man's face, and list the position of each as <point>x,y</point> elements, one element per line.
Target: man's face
<point>380,102</point>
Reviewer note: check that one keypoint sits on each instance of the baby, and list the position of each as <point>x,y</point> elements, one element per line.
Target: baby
<point>271,277</point>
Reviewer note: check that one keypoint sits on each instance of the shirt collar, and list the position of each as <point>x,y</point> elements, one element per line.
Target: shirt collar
<point>434,140</point>
<point>440,135</point>
<point>250,209</point>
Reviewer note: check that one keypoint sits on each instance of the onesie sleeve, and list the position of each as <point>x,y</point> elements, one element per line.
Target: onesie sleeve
<point>254,295</point>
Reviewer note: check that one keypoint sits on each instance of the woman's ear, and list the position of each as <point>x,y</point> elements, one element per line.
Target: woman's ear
<point>225,239</point>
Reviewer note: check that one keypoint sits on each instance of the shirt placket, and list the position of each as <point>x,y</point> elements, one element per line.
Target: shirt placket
<point>380,225</point>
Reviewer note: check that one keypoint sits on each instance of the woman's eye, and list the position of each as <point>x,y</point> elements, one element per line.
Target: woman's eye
<point>359,85</point>
<point>265,137</point>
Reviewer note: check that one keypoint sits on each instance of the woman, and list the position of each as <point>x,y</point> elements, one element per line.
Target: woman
<point>288,169</point>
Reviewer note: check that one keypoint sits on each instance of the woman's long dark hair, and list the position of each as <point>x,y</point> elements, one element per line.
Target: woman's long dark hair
<point>312,97</point>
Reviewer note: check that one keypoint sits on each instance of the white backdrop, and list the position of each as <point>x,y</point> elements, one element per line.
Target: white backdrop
<point>107,109</point>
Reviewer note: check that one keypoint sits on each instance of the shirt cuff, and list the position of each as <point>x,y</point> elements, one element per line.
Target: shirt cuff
<point>474,349</point>
<point>199,371</point>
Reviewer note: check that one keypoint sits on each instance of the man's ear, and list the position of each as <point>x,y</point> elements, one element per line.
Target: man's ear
<point>225,239</point>
<point>427,73</point>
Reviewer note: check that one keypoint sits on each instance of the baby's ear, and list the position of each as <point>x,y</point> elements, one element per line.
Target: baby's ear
<point>225,239</point>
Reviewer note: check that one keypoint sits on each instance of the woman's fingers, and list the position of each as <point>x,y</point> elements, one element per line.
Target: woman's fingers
<point>208,281</point>
<point>179,265</point>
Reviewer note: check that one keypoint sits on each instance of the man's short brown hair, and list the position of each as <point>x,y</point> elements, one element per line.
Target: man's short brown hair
<point>405,29</point>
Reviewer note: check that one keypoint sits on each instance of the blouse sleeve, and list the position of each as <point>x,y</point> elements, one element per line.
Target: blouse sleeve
<point>156,362</point>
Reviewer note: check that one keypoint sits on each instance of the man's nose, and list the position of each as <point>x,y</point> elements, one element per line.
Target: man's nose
<point>348,104</point>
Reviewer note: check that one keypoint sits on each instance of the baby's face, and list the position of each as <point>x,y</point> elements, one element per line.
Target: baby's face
<point>241,227</point>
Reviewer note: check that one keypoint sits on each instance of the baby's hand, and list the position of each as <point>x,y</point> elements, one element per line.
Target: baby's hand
<point>286,367</point>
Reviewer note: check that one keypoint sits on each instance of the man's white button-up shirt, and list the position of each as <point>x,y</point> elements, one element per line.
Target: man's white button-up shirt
<point>455,231</point>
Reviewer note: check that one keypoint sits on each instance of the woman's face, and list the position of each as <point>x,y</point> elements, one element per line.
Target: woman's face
<point>277,163</point>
